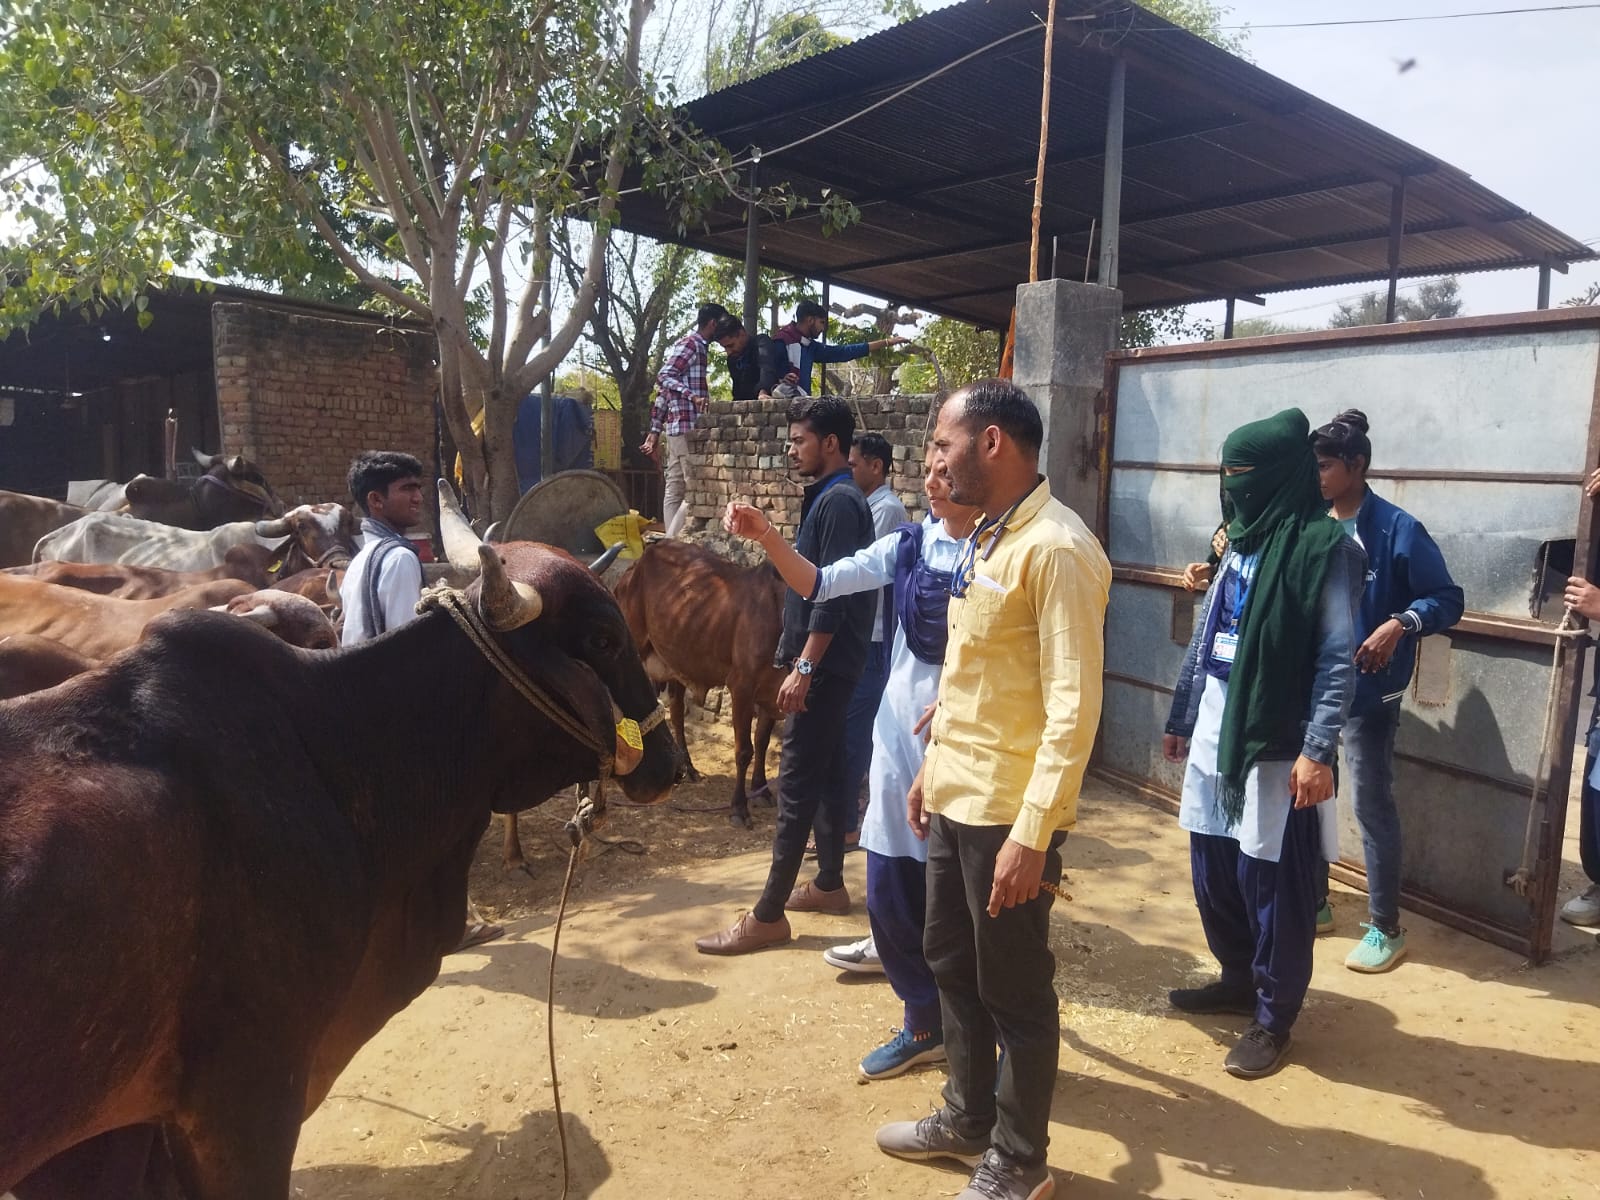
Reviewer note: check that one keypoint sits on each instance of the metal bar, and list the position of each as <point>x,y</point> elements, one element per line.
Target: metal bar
<point>1397,232</point>
<point>1418,473</point>
<point>1227,323</point>
<point>547,408</point>
<point>752,252</point>
<point>1515,787</point>
<point>1134,681</point>
<point>1111,176</point>
<point>1544,286</point>
<point>1555,318</point>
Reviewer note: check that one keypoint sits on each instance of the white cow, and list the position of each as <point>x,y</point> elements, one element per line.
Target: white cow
<point>310,535</point>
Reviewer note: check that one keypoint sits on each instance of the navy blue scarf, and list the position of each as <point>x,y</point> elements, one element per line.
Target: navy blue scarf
<point>921,598</point>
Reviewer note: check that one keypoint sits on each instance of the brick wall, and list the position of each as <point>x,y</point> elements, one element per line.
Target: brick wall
<point>302,394</point>
<point>740,449</point>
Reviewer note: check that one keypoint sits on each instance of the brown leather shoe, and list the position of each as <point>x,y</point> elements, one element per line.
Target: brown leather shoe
<point>808,897</point>
<point>744,935</point>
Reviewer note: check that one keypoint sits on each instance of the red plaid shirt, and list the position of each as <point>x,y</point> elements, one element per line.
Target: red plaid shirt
<point>680,387</point>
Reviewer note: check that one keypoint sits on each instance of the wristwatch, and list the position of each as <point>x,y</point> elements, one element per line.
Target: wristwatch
<point>1409,620</point>
<point>805,666</point>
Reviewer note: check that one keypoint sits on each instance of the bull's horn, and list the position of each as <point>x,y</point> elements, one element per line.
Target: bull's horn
<point>461,545</point>
<point>505,603</point>
<point>603,564</point>
<point>235,464</point>
<point>492,534</point>
<point>263,615</point>
<point>278,528</point>
<point>332,586</point>
<point>207,461</point>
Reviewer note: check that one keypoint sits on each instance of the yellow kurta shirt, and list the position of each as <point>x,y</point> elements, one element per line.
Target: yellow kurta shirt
<point>1019,701</point>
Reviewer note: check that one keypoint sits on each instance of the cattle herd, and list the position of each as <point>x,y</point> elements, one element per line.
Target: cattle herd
<point>227,858</point>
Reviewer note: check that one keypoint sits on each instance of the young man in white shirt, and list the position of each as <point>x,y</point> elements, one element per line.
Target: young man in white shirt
<point>381,588</point>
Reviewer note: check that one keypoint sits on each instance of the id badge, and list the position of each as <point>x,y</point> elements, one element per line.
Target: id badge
<point>1224,647</point>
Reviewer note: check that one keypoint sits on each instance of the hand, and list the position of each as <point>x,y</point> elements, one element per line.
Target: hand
<point>651,448</point>
<point>1174,748</point>
<point>885,343</point>
<point>1310,783</point>
<point>700,403</point>
<point>916,815</point>
<point>1377,650</point>
<point>1196,576</point>
<point>1017,872</point>
<point>745,521</point>
<point>1592,488</point>
<point>792,377</point>
<point>792,695</point>
<point>925,721</point>
<point>1583,598</point>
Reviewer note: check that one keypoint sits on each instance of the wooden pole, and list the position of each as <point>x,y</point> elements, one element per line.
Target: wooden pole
<point>1044,142</point>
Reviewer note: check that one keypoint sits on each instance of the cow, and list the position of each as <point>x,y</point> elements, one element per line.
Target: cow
<point>93,625</point>
<point>700,622</point>
<point>231,489</point>
<point>247,563</point>
<point>25,519</point>
<point>212,896</point>
<point>29,663</point>
<point>317,535</point>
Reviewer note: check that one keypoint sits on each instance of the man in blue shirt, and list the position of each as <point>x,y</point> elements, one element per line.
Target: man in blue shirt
<point>799,342</point>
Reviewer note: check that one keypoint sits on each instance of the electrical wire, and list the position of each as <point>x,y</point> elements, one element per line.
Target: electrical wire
<point>1453,16</point>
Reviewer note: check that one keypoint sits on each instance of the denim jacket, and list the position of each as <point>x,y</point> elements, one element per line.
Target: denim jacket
<point>1334,684</point>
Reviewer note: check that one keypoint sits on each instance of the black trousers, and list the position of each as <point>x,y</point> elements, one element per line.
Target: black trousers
<point>811,790</point>
<point>996,980</point>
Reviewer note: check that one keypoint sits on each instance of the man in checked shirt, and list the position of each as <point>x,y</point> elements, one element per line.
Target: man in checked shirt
<point>680,398</point>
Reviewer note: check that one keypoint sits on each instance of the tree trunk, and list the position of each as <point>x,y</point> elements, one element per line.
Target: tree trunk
<point>499,451</point>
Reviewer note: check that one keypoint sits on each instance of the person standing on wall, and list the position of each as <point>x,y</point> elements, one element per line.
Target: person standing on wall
<point>752,367</point>
<point>1259,704</point>
<point>915,562</point>
<point>1019,704</point>
<point>798,346</point>
<point>680,399</point>
<point>824,646</point>
<point>871,465</point>
<point>1409,595</point>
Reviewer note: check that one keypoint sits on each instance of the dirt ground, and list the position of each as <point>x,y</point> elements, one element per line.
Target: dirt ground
<point>1463,1075</point>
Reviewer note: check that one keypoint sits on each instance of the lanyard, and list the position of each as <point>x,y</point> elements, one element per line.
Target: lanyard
<point>967,564</point>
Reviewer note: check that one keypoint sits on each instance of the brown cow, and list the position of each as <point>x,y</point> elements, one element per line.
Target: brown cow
<point>232,489</point>
<point>291,617</point>
<point>25,519</point>
<point>212,895</point>
<point>701,622</point>
<point>31,664</point>
<point>96,626</point>
<point>246,563</point>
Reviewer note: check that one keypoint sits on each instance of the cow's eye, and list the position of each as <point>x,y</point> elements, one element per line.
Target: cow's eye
<point>602,643</point>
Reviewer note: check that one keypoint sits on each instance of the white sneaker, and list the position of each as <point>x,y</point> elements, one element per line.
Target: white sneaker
<point>861,957</point>
<point>1584,908</point>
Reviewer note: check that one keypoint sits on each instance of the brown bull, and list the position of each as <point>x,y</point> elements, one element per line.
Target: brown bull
<point>31,664</point>
<point>212,896</point>
<point>702,622</point>
<point>232,489</point>
<point>93,625</point>
<point>245,563</point>
<point>25,519</point>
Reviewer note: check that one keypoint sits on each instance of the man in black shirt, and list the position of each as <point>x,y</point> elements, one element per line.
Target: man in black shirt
<point>751,366</point>
<point>824,645</point>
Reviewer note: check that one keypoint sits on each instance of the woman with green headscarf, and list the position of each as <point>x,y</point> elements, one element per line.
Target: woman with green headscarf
<point>1263,693</point>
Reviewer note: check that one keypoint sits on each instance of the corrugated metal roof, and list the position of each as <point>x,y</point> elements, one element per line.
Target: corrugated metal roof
<point>1234,182</point>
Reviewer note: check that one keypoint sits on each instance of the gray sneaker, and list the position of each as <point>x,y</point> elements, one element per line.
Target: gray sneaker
<point>931,1137</point>
<point>1584,908</point>
<point>998,1179</point>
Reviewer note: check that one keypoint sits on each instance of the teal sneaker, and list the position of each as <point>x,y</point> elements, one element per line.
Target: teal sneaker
<point>1377,951</point>
<point>902,1052</point>
<point>1324,919</point>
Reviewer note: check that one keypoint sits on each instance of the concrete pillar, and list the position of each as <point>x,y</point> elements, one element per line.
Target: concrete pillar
<point>1064,332</point>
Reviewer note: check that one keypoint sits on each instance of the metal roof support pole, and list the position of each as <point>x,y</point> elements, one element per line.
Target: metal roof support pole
<point>547,408</point>
<point>1227,322</point>
<point>1397,232</point>
<point>1544,285</point>
<point>1111,195</point>
<point>752,252</point>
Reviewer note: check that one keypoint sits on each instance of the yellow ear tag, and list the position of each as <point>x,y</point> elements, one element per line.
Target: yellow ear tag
<point>628,729</point>
<point>275,567</point>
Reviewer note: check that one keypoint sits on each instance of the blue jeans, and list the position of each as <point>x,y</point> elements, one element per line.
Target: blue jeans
<point>858,719</point>
<point>1369,752</point>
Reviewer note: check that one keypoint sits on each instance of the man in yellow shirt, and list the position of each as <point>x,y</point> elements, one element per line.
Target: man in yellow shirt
<point>1018,706</point>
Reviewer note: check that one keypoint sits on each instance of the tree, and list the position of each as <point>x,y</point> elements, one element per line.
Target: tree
<point>1265,327</point>
<point>1434,300</point>
<point>957,354</point>
<point>429,149</point>
<point>1591,295</point>
<point>1203,18</point>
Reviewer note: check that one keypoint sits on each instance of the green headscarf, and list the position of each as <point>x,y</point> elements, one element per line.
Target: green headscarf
<point>1278,513</point>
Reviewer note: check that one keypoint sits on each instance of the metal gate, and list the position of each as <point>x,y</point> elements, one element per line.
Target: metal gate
<point>1482,428</point>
